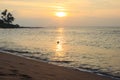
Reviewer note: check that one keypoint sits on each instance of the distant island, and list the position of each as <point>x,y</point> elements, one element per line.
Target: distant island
<point>7,19</point>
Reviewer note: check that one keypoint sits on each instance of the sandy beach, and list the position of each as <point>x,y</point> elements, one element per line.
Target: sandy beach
<point>17,68</point>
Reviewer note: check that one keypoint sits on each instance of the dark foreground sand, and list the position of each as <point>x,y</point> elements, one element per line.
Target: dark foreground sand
<point>17,68</point>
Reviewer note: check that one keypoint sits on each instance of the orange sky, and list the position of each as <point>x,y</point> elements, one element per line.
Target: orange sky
<point>79,12</point>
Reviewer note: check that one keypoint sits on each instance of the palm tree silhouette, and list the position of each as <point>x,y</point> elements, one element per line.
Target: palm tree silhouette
<point>7,17</point>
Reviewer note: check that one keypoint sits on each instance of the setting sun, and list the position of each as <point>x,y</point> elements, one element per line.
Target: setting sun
<point>61,14</point>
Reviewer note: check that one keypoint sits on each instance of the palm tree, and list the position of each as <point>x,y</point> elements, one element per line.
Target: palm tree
<point>10,18</point>
<point>4,12</point>
<point>7,17</point>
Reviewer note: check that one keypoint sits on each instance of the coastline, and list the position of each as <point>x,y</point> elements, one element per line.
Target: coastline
<point>20,27</point>
<point>13,67</point>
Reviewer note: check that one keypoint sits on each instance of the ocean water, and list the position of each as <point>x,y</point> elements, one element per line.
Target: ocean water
<point>94,49</point>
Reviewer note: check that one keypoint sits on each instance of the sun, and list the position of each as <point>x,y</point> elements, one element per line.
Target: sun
<point>61,14</point>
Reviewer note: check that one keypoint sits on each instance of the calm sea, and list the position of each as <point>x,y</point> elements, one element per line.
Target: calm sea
<point>94,49</point>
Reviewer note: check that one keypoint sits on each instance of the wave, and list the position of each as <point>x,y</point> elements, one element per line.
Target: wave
<point>27,54</point>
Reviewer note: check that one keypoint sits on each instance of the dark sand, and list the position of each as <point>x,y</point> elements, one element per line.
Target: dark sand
<point>17,68</point>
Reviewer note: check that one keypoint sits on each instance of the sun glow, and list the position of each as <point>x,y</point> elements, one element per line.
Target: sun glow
<point>61,14</point>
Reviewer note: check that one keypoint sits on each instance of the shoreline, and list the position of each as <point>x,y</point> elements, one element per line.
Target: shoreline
<point>13,67</point>
<point>20,27</point>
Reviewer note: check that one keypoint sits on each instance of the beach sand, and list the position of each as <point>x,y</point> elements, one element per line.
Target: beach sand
<point>18,68</point>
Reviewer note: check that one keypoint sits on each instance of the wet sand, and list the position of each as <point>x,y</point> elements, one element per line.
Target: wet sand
<point>18,68</point>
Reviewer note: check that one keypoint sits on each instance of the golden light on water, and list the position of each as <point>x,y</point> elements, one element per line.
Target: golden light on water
<point>59,47</point>
<point>60,39</point>
<point>60,30</point>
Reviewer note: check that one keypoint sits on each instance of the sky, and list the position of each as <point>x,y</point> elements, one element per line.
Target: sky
<point>78,12</point>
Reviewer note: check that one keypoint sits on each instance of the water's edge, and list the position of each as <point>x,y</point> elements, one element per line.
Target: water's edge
<point>43,60</point>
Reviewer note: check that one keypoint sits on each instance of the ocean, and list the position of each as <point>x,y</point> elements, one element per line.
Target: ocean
<point>92,49</point>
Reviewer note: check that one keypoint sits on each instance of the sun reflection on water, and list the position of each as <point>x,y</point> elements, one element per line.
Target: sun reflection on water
<point>59,47</point>
<point>60,39</point>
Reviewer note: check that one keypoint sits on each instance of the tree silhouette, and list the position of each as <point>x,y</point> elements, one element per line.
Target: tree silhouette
<point>7,17</point>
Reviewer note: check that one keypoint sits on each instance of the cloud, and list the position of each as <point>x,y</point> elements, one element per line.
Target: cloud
<point>78,10</point>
